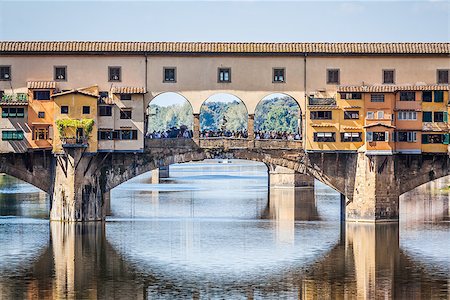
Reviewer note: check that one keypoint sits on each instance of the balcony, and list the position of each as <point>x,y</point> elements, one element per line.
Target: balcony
<point>14,99</point>
<point>321,101</point>
<point>74,142</point>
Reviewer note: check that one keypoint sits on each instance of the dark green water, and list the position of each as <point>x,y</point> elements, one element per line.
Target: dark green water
<point>213,231</point>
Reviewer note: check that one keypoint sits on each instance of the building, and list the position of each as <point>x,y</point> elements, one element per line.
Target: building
<point>378,98</point>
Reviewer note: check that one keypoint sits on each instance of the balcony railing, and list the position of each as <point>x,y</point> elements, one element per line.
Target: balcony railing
<point>321,101</point>
<point>14,99</point>
<point>74,142</point>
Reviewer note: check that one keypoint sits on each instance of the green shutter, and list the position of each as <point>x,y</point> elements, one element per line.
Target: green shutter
<point>438,96</point>
<point>427,116</point>
<point>446,139</point>
<point>424,138</point>
<point>445,116</point>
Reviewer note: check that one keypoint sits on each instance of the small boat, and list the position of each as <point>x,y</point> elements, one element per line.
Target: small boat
<point>225,161</point>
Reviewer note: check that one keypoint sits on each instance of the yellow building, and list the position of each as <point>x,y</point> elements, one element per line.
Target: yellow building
<point>76,120</point>
<point>435,130</point>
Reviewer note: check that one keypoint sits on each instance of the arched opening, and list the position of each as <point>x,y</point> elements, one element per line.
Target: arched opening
<point>278,116</point>
<point>169,115</point>
<point>223,115</point>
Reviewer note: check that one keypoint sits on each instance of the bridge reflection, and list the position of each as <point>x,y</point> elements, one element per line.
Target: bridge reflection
<point>80,262</point>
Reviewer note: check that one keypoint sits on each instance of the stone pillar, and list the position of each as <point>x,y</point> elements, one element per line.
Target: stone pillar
<point>77,194</point>
<point>107,203</point>
<point>158,173</point>
<point>196,129</point>
<point>281,177</point>
<point>375,196</point>
<point>251,126</point>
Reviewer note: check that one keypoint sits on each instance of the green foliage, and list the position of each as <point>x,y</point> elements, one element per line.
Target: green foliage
<point>86,124</point>
<point>212,113</point>
<point>277,114</point>
<point>164,117</point>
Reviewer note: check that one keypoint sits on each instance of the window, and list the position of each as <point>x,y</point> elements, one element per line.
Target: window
<point>5,72</point>
<point>440,116</point>
<point>407,96</point>
<point>86,110</point>
<point>278,75</point>
<point>64,109</point>
<point>324,137</point>
<point>125,96</point>
<point>41,95</point>
<point>405,136</point>
<point>60,73</point>
<point>1,94</point>
<point>13,112</point>
<point>41,133</point>
<point>12,135</point>
<point>333,76</point>
<point>439,96</point>
<point>377,136</point>
<point>377,98</point>
<point>427,116</point>
<point>380,115</point>
<point>427,96</point>
<point>435,139</point>
<point>321,115</point>
<point>442,77</point>
<point>224,75</point>
<point>351,96</point>
<point>351,114</point>
<point>114,73</point>
<point>388,76</point>
<point>351,137</point>
<point>105,135</point>
<point>105,111</point>
<point>125,114</point>
<point>41,114</point>
<point>370,115</point>
<point>170,75</point>
<point>407,115</point>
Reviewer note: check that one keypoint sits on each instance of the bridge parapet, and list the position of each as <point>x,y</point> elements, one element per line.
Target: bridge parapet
<point>224,143</point>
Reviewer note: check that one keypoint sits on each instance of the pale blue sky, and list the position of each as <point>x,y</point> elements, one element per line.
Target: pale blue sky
<point>332,21</point>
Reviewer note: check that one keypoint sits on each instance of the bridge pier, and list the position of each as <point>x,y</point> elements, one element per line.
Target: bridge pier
<point>375,197</point>
<point>77,193</point>
<point>196,128</point>
<point>281,177</point>
<point>158,173</point>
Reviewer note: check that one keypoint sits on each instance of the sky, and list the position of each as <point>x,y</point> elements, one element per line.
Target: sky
<point>266,21</point>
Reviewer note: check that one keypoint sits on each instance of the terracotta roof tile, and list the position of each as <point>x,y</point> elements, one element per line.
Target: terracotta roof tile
<point>379,124</point>
<point>392,88</point>
<point>76,91</point>
<point>41,84</point>
<point>322,125</point>
<point>189,47</point>
<point>128,90</point>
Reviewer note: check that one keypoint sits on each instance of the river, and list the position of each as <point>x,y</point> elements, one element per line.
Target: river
<point>215,231</point>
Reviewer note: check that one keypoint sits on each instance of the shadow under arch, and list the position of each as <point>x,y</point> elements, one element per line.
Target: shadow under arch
<point>223,98</point>
<point>291,114</point>
<point>172,99</point>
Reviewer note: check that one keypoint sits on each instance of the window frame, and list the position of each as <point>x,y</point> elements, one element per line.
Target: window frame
<point>124,97</point>
<point>405,93</point>
<point>348,114</point>
<point>448,76</point>
<point>321,139</point>
<point>353,139</point>
<point>88,108</point>
<point>338,76</point>
<point>55,74</point>
<point>274,69</point>
<point>384,77</point>
<point>41,114</point>
<point>174,74</point>
<point>15,135</point>
<point>10,71</point>
<point>219,70</point>
<point>66,107</point>
<point>110,68</point>
<point>100,107</point>
<point>439,113</point>
<point>123,113</point>
<point>321,111</point>
<point>427,113</point>
<point>42,91</point>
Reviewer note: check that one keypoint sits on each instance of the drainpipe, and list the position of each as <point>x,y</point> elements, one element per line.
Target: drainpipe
<point>143,98</point>
<point>304,135</point>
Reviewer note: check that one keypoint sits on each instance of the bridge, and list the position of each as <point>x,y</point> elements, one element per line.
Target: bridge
<point>79,182</point>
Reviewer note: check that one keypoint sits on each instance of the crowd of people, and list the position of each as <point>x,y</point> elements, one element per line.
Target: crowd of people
<point>183,132</point>
<point>277,135</point>
<point>171,133</point>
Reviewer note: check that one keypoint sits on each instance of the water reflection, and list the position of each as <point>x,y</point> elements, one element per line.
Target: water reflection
<point>191,241</point>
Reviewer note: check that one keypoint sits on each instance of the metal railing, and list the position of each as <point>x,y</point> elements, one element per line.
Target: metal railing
<point>74,141</point>
<point>321,101</point>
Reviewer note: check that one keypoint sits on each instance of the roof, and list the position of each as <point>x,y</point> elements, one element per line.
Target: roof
<point>322,125</point>
<point>41,84</point>
<point>13,102</point>
<point>128,90</point>
<point>222,47</point>
<point>379,124</point>
<point>76,91</point>
<point>392,88</point>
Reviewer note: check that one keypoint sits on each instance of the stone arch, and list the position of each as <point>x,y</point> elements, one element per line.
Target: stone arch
<point>271,96</point>
<point>176,99</point>
<point>229,98</point>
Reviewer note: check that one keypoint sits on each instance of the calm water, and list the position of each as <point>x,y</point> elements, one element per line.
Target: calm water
<point>213,231</point>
